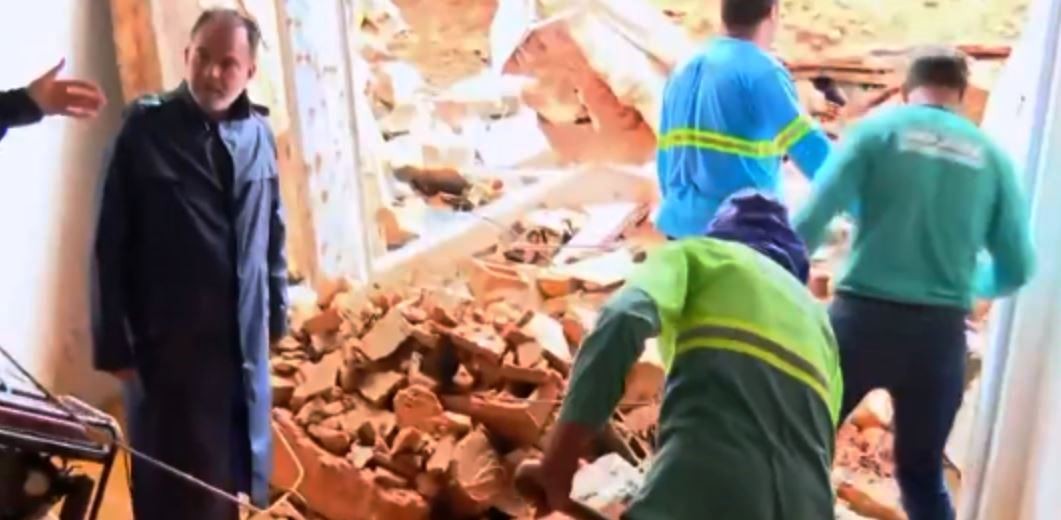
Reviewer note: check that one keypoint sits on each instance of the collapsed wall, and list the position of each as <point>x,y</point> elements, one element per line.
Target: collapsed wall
<point>600,68</point>
<point>580,83</point>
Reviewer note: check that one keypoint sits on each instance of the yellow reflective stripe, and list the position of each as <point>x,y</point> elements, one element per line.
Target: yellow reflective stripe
<point>709,143</point>
<point>743,340</point>
<point>690,133</point>
<point>792,133</point>
<point>715,141</point>
<point>694,138</point>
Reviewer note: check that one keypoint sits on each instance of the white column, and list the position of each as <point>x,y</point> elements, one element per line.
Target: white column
<point>1017,472</point>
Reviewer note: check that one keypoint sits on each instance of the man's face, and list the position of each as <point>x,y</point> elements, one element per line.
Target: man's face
<point>218,64</point>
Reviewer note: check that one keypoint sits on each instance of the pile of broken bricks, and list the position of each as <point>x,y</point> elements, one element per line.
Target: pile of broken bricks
<point>422,402</point>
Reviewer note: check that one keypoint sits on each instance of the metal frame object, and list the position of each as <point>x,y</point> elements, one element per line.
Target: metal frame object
<point>34,421</point>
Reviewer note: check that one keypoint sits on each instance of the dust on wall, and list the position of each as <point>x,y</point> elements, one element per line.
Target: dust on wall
<point>49,174</point>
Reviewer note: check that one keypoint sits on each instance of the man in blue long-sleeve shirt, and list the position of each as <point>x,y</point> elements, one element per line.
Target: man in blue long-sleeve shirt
<point>192,278</point>
<point>932,191</point>
<point>46,96</point>
<point>729,116</point>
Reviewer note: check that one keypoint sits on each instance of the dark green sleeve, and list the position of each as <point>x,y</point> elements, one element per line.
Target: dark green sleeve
<point>599,375</point>
<point>1009,239</point>
<point>835,188</point>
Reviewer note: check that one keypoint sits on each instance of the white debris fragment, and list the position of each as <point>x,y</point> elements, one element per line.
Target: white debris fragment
<point>609,480</point>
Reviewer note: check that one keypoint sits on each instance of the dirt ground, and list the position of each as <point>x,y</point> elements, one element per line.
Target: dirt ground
<point>845,27</point>
<point>449,39</point>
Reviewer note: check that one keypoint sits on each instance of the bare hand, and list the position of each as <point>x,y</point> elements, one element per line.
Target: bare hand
<point>125,375</point>
<point>66,97</point>
<point>545,492</point>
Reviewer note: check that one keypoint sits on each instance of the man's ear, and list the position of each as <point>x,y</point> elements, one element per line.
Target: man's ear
<point>187,54</point>
<point>252,71</point>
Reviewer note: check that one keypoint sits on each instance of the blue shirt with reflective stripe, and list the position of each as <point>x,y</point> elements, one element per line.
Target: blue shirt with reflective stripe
<point>729,115</point>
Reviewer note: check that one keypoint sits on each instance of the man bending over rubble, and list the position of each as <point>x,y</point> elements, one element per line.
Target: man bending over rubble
<point>753,387</point>
<point>932,192</point>
<point>729,115</point>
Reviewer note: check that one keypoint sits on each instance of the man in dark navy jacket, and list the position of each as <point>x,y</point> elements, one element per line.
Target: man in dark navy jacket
<point>49,96</point>
<point>191,278</point>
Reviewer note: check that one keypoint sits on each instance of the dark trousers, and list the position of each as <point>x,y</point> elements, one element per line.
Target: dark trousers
<point>917,353</point>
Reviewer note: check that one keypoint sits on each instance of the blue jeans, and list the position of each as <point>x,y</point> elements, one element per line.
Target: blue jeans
<point>917,353</point>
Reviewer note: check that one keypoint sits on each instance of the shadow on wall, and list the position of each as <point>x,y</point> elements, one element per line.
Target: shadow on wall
<point>67,333</point>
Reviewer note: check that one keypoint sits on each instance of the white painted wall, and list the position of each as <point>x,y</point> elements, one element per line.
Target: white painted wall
<point>1019,417</point>
<point>48,180</point>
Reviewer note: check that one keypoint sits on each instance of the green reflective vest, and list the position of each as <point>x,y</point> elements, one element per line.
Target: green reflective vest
<point>724,295</point>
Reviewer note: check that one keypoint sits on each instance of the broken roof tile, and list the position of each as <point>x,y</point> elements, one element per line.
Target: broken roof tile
<point>479,339</point>
<point>477,471</point>
<point>376,387</point>
<point>385,336</point>
<point>327,320</point>
<point>318,378</point>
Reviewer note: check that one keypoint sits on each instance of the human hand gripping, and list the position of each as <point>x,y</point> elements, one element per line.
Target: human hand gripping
<point>66,97</point>
<point>548,490</point>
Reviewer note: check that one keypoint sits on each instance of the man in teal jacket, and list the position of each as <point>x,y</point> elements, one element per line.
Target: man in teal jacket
<point>729,115</point>
<point>753,387</point>
<point>932,192</point>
